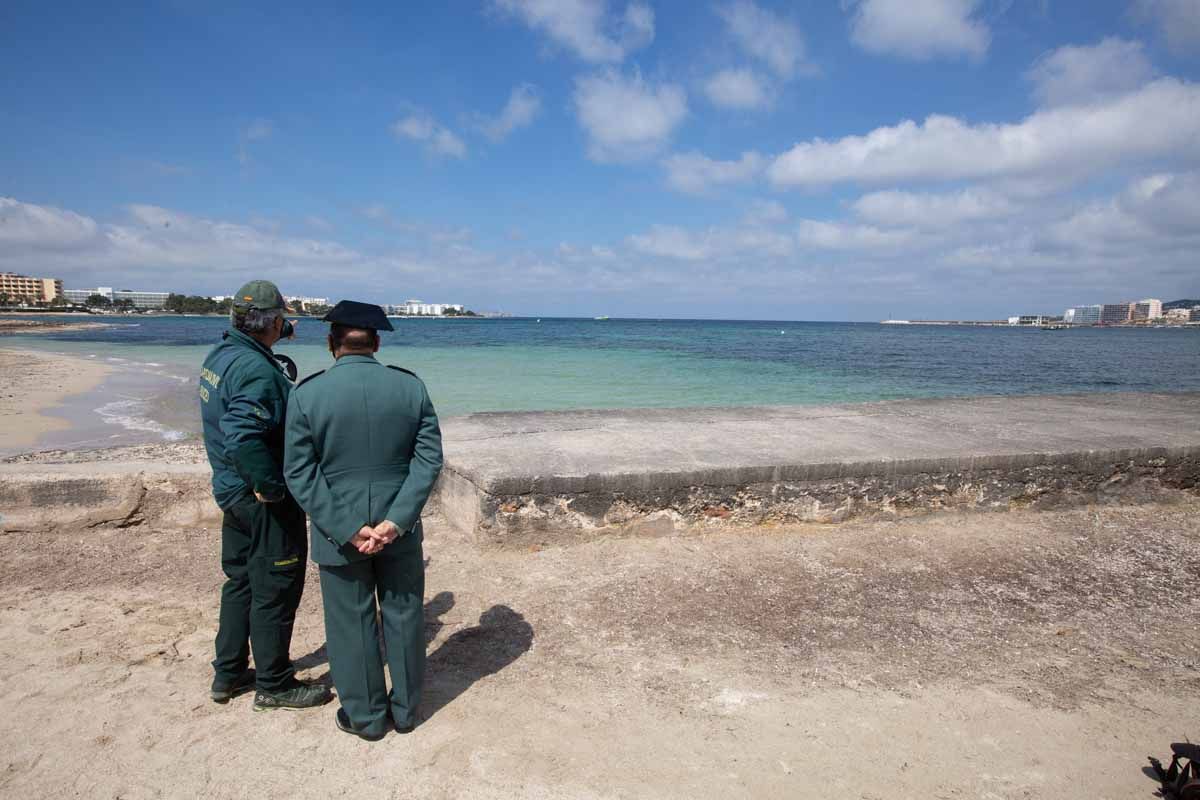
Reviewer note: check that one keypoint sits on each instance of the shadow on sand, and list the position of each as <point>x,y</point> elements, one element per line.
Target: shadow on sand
<point>467,656</point>
<point>471,654</point>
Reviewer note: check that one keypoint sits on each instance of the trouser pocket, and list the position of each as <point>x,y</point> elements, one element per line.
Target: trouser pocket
<point>277,531</point>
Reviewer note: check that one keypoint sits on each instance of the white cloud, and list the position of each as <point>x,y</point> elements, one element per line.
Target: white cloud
<point>1160,120</point>
<point>586,27</point>
<point>670,241</point>
<point>151,246</point>
<point>695,173</point>
<point>377,212</point>
<point>416,230</point>
<point>767,36</point>
<point>1179,21</point>
<point>1073,75</point>
<point>766,212</point>
<point>1058,250</point>
<point>522,106</point>
<point>26,225</point>
<point>1155,212</point>
<point>151,241</point>
<point>931,210</point>
<point>920,29</point>
<point>626,118</point>
<point>437,139</point>
<point>737,88</point>
<point>724,244</point>
<point>843,236</point>
<point>759,242</point>
<point>1146,236</point>
<point>637,27</point>
<point>319,223</point>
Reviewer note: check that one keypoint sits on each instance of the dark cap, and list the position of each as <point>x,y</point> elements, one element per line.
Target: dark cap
<point>354,314</point>
<point>262,295</point>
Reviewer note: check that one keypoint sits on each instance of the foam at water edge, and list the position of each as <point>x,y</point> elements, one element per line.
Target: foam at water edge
<point>128,414</point>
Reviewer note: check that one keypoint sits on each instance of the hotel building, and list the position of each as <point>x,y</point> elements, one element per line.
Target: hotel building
<point>1082,315</point>
<point>306,301</point>
<point>138,299</point>
<point>1115,313</point>
<point>1147,309</point>
<point>22,288</point>
<point>416,308</point>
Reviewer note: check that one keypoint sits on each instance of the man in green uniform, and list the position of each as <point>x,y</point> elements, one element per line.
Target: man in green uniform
<point>243,399</point>
<point>363,451</point>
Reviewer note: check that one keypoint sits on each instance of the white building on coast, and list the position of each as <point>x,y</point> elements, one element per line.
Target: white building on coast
<point>1114,313</point>
<point>307,302</point>
<point>415,308</point>
<point>138,299</point>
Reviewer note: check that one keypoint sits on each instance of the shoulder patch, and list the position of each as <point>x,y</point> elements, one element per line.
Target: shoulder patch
<point>402,369</point>
<point>309,378</point>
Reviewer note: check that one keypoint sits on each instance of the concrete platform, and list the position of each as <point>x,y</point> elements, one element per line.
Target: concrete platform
<point>515,478</point>
<point>105,494</point>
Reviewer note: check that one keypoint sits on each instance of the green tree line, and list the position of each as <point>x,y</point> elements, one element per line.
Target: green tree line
<point>195,304</point>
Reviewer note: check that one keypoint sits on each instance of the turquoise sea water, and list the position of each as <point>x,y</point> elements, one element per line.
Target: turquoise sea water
<point>526,364</point>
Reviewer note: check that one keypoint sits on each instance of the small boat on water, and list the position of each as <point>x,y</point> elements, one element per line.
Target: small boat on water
<point>1055,327</point>
<point>601,319</point>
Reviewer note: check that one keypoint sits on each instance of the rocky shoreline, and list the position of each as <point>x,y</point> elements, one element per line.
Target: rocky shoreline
<point>10,326</point>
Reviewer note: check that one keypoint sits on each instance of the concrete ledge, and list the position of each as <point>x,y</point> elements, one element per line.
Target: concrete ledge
<point>516,478</point>
<point>520,478</point>
<point>105,494</point>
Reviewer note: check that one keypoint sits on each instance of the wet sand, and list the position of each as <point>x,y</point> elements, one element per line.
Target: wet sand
<point>32,383</point>
<point>10,325</point>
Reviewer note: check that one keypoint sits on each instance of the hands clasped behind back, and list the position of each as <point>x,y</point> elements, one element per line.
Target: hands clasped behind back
<point>370,540</point>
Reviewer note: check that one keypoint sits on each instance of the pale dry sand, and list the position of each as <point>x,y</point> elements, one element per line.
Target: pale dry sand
<point>1008,655</point>
<point>32,383</point>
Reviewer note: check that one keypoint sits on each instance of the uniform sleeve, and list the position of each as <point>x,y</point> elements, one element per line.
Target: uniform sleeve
<point>423,470</point>
<point>306,479</point>
<point>255,409</point>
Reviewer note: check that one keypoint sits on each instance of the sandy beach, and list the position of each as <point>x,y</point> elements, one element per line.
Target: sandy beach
<point>1017,654</point>
<point>1023,655</point>
<point>32,383</point>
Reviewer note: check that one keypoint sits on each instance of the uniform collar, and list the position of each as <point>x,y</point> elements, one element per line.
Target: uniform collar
<point>355,359</point>
<point>246,340</point>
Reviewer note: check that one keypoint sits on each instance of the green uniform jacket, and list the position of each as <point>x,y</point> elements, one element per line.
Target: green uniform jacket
<point>243,399</point>
<point>363,445</point>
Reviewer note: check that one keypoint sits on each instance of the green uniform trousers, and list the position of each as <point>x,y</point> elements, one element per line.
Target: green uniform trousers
<point>396,576</point>
<point>264,547</point>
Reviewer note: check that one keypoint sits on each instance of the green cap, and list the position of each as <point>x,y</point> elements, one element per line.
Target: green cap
<point>262,295</point>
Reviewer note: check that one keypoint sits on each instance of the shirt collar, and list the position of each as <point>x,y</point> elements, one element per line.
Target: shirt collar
<point>355,359</point>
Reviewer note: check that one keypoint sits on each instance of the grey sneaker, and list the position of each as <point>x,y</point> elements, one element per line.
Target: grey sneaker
<point>223,691</point>
<point>297,695</point>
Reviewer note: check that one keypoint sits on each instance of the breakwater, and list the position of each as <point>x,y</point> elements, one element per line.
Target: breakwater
<point>513,479</point>
<point>517,478</point>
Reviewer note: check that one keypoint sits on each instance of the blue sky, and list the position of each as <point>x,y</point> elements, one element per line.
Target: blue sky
<point>735,159</point>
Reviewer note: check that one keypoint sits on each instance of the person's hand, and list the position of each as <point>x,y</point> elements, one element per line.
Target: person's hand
<point>387,531</point>
<point>262,498</point>
<point>366,542</point>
